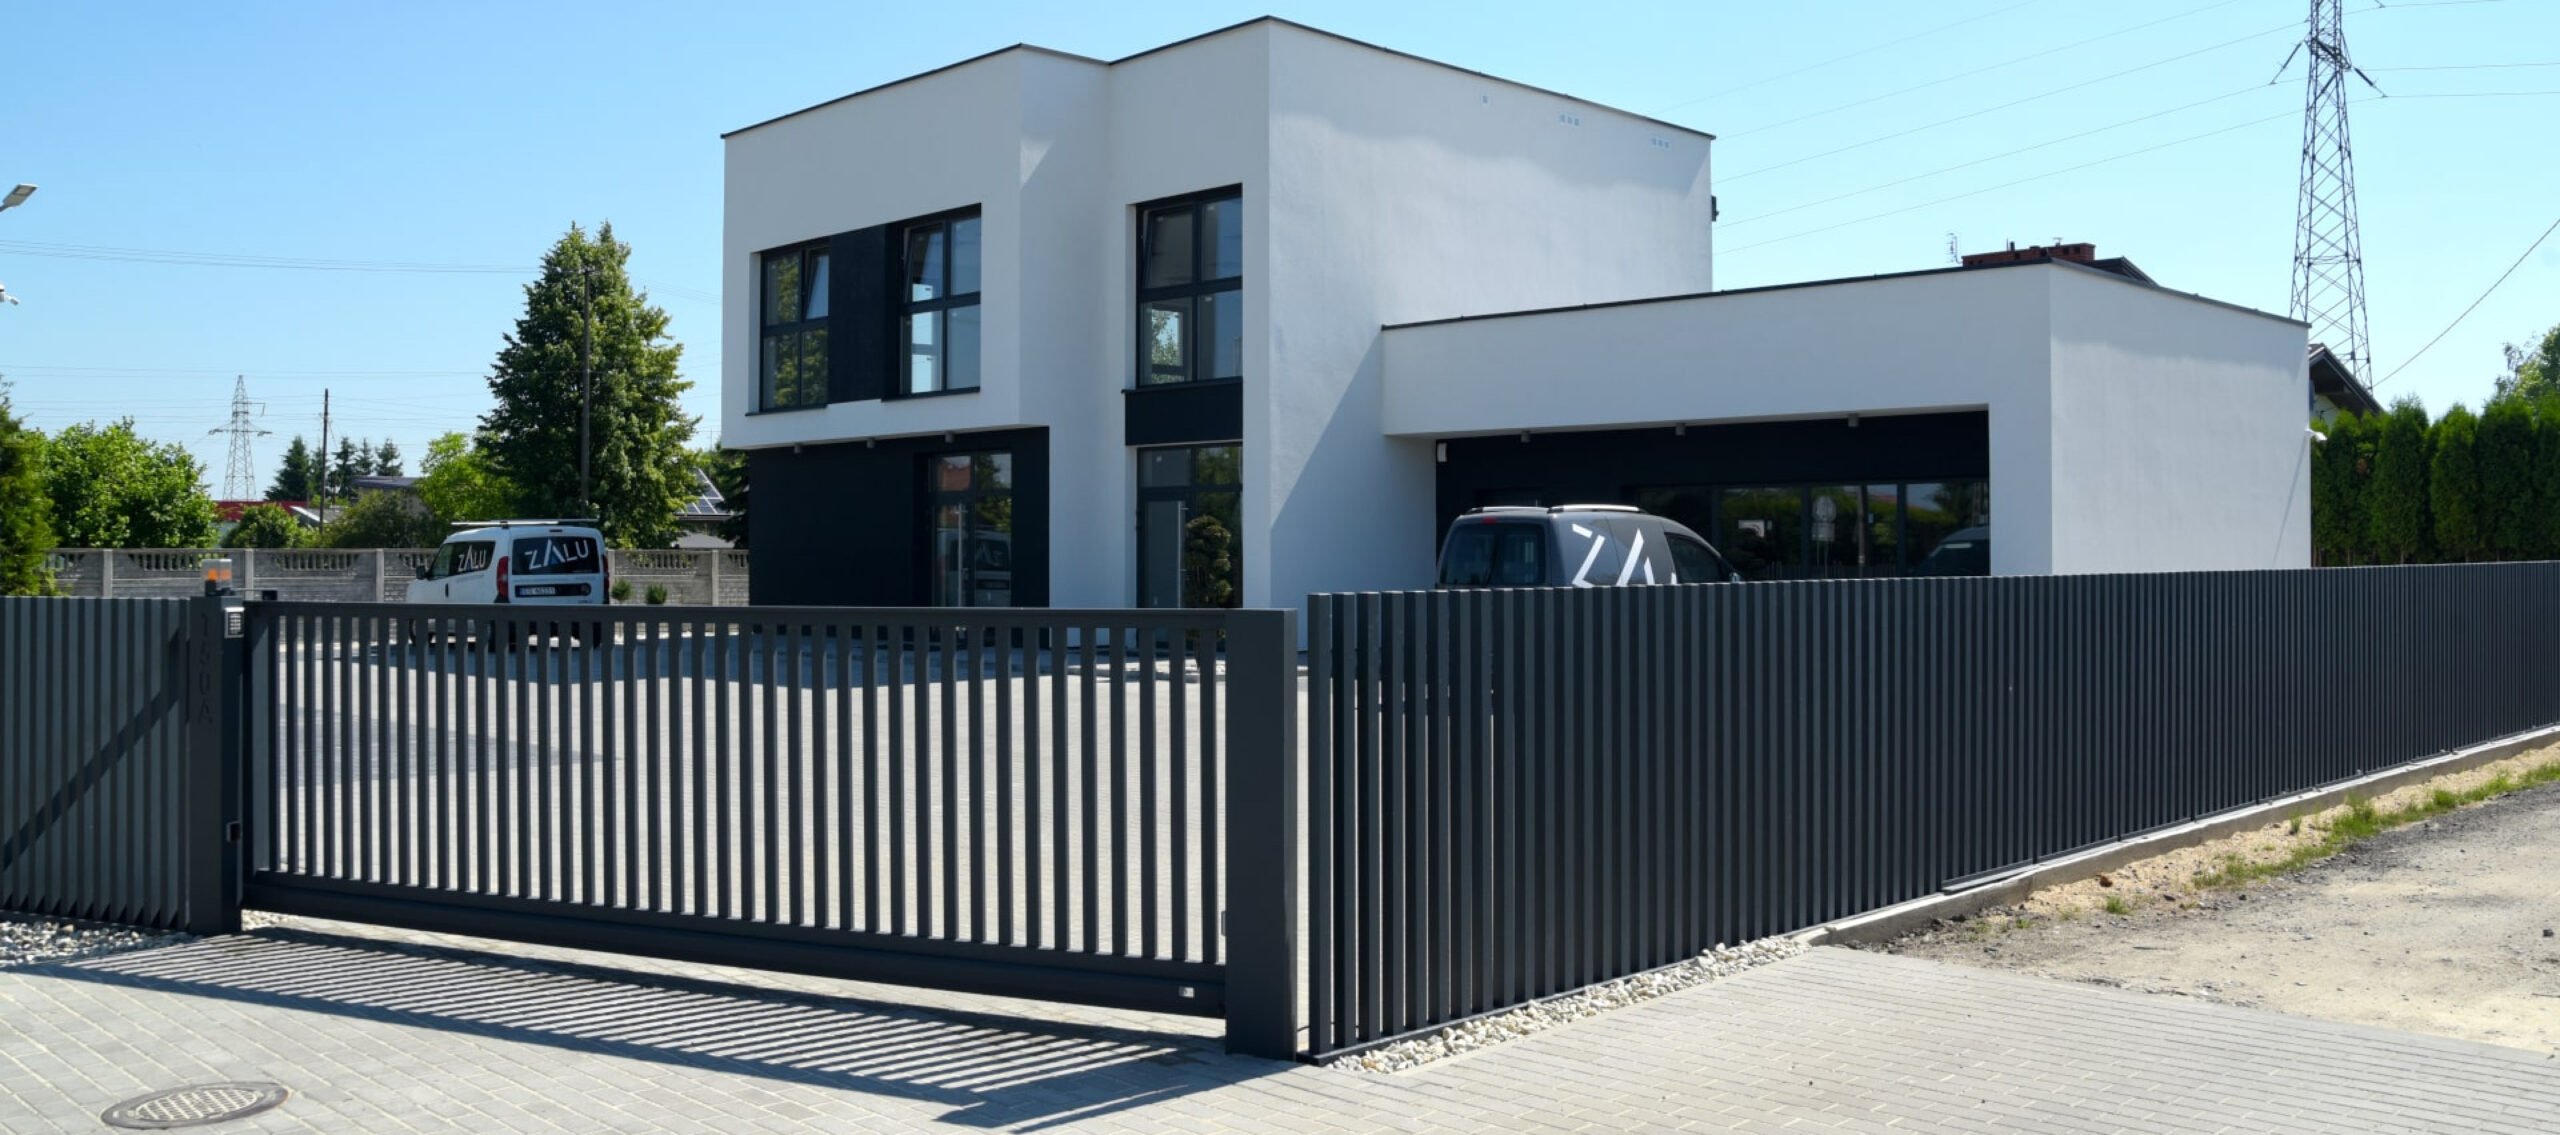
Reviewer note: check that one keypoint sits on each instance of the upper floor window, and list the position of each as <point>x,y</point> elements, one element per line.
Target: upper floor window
<point>941,298</point>
<point>793,373</point>
<point>1191,290</point>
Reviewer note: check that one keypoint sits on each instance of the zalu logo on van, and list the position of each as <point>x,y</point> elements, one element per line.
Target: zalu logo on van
<point>558,551</point>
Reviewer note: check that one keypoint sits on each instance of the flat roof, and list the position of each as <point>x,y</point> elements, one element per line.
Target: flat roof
<point>1256,21</point>
<point>2120,278</point>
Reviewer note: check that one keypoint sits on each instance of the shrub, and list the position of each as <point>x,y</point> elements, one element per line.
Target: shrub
<point>657,595</point>
<point>621,591</point>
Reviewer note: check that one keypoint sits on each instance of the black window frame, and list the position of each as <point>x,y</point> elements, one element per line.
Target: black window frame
<point>908,307</point>
<point>812,389</point>
<point>1201,290</point>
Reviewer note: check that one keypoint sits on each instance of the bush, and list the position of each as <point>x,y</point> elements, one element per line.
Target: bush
<point>2453,485</point>
<point>382,520</point>
<point>2397,520</point>
<point>265,526</point>
<point>657,595</point>
<point>621,591</point>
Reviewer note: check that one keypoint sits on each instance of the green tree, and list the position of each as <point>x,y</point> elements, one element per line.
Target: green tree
<point>382,520</point>
<point>112,489</point>
<point>2533,372</point>
<point>2453,484</point>
<point>460,483</point>
<point>2338,479</point>
<point>295,476</point>
<point>2542,504</point>
<point>26,515</point>
<point>640,477</point>
<point>386,459</point>
<point>265,526</point>
<point>2397,521</point>
<point>354,459</point>
<point>2504,448</point>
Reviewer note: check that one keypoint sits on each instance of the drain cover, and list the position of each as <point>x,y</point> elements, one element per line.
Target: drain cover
<point>193,1107</point>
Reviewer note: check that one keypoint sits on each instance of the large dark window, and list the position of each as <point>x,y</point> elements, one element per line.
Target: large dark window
<point>1838,531</point>
<point>970,497</point>
<point>1190,541</point>
<point>793,370</point>
<point>941,298</point>
<point>1191,290</point>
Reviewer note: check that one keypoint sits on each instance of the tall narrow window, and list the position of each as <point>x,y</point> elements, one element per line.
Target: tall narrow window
<point>941,307</point>
<point>792,372</point>
<point>1191,291</point>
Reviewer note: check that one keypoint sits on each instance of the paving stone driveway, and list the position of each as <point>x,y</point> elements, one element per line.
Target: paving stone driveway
<point>378,1036</point>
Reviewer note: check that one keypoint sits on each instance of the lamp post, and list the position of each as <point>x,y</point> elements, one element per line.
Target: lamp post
<point>15,198</point>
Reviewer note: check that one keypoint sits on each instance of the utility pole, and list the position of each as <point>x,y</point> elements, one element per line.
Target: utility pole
<point>320,464</point>
<point>2328,255</point>
<point>586,381</point>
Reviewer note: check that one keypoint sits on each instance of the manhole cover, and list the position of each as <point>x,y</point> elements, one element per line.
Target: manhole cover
<point>194,1107</point>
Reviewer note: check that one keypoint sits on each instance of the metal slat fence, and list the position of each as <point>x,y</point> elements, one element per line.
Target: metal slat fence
<point>1023,802</point>
<point>1512,794</point>
<point>109,721</point>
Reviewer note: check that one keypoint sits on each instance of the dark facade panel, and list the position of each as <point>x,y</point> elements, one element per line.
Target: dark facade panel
<point>863,314</point>
<point>1184,413</point>
<point>844,524</point>
<point>1606,466</point>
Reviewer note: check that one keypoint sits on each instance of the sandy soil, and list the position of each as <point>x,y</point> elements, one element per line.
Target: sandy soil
<point>2445,926</point>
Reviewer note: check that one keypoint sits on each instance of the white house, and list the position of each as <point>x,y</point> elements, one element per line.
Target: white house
<point>1253,314</point>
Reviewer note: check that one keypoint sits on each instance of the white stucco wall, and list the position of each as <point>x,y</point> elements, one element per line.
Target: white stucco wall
<point>2131,428</point>
<point>1402,190</point>
<point>1945,341</point>
<point>2179,440</point>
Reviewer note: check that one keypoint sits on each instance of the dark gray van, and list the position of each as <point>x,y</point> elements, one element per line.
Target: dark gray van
<point>1576,545</point>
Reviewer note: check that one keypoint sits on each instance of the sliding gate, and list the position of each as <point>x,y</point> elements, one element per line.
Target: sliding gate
<point>1029,803</point>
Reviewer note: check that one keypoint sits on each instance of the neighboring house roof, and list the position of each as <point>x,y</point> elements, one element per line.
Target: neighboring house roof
<point>380,484</point>
<point>706,500</point>
<point>1259,20</point>
<point>2331,379</point>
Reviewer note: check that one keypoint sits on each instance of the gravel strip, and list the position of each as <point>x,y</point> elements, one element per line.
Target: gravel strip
<point>1539,1016</point>
<point>27,939</point>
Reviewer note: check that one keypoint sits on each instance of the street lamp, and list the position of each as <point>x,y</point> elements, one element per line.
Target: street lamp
<point>16,197</point>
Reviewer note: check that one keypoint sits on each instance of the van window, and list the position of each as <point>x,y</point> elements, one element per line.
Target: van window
<point>1693,562</point>
<point>556,555</point>
<point>461,557</point>
<point>1495,555</point>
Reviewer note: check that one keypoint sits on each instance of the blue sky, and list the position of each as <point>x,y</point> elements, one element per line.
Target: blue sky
<point>472,134</point>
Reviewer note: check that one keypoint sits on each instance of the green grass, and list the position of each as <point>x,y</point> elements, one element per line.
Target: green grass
<point>2362,821</point>
<point>2117,905</point>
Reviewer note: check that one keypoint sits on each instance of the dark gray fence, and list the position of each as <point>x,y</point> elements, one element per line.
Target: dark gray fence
<point>111,746</point>
<point>1513,794</point>
<point>1031,803</point>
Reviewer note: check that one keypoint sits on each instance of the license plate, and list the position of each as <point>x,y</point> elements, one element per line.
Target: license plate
<point>532,591</point>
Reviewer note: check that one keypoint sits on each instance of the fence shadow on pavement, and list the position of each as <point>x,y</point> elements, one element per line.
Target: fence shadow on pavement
<point>992,1071</point>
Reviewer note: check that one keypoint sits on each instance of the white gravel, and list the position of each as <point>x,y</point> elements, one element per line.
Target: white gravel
<point>1539,1016</point>
<point>27,939</point>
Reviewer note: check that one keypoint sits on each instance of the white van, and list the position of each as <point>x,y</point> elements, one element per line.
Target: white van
<point>532,562</point>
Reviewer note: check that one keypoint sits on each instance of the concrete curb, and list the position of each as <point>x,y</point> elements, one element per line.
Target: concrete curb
<point>1895,921</point>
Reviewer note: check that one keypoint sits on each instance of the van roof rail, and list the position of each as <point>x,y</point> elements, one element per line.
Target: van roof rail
<point>1595,508</point>
<point>588,521</point>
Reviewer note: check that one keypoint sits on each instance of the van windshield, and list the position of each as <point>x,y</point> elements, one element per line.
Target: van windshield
<point>556,555</point>
<point>1495,555</point>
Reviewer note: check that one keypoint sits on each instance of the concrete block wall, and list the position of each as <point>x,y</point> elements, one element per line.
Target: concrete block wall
<point>357,575</point>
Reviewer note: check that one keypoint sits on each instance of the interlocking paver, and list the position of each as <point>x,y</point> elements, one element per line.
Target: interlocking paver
<point>417,1035</point>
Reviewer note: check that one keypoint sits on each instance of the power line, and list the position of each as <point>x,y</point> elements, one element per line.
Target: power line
<point>1979,70</point>
<point>2466,67</point>
<point>1864,51</point>
<point>2007,105</point>
<point>2011,184</point>
<point>2475,304</point>
<point>2251,88</point>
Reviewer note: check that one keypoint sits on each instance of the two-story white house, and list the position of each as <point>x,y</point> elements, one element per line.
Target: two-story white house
<point>1254,314</point>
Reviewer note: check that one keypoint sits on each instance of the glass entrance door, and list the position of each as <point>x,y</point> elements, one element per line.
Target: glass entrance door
<point>1190,542</point>
<point>971,510</point>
